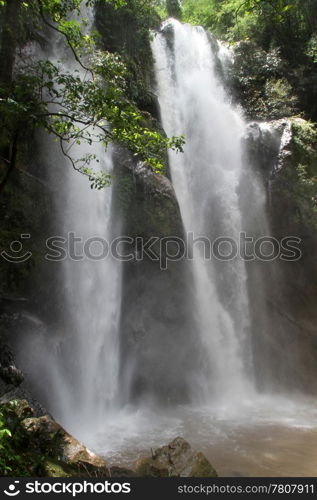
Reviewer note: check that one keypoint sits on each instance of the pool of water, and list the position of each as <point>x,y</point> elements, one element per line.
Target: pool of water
<point>269,436</point>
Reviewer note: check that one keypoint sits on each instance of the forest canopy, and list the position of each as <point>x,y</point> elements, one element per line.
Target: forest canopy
<point>288,23</point>
<point>89,103</point>
<point>113,100</point>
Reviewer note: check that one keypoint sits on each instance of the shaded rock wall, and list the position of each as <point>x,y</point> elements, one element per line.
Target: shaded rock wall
<point>156,303</point>
<point>284,292</point>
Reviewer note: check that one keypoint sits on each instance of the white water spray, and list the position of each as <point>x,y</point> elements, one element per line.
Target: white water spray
<point>206,179</point>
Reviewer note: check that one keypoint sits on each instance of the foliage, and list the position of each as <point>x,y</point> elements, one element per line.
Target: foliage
<point>305,140</point>
<point>5,434</point>
<point>279,98</point>
<point>200,12</point>
<point>289,26</point>
<point>160,7</point>
<point>258,78</point>
<point>311,50</point>
<point>127,31</point>
<point>11,463</point>
<point>60,8</point>
<point>173,8</point>
<point>90,103</point>
<point>259,19</point>
<point>17,457</point>
<point>300,182</point>
<point>306,190</point>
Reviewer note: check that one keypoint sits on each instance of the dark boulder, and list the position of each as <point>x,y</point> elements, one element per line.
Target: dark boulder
<point>177,459</point>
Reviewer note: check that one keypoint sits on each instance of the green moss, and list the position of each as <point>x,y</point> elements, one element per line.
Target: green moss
<point>305,140</point>
<point>52,468</point>
<point>298,179</point>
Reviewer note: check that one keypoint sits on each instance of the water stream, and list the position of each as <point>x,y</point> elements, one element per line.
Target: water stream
<point>206,179</point>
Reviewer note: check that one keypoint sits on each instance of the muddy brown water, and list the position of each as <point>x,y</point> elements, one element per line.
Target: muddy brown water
<point>269,451</point>
<point>282,443</point>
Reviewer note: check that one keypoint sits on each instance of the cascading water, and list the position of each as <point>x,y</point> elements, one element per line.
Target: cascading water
<point>87,378</point>
<point>206,179</point>
<point>80,363</point>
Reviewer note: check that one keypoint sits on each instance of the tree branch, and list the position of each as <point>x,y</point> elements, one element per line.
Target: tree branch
<point>64,34</point>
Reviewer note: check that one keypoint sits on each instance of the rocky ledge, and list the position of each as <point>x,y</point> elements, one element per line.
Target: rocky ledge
<point>46,450</point>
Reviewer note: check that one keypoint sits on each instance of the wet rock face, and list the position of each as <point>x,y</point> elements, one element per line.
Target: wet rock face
<point>177,459</point>
<point>262,144</point>
<point>292,212</point>
<point>145,200</point>
<point>50,438</point>
<point>12,384</point>
<point>156,317</point>
<point>10,376</point>
<point>284,153</point>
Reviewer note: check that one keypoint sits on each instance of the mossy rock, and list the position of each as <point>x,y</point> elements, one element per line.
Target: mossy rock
<point>295,179</point>
<point>45,448</point>
<point>53,468</point>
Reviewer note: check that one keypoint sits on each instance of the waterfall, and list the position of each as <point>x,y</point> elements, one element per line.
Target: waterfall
<point>87,380</point>
<point>79,363</point>
<point>207,178</point>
